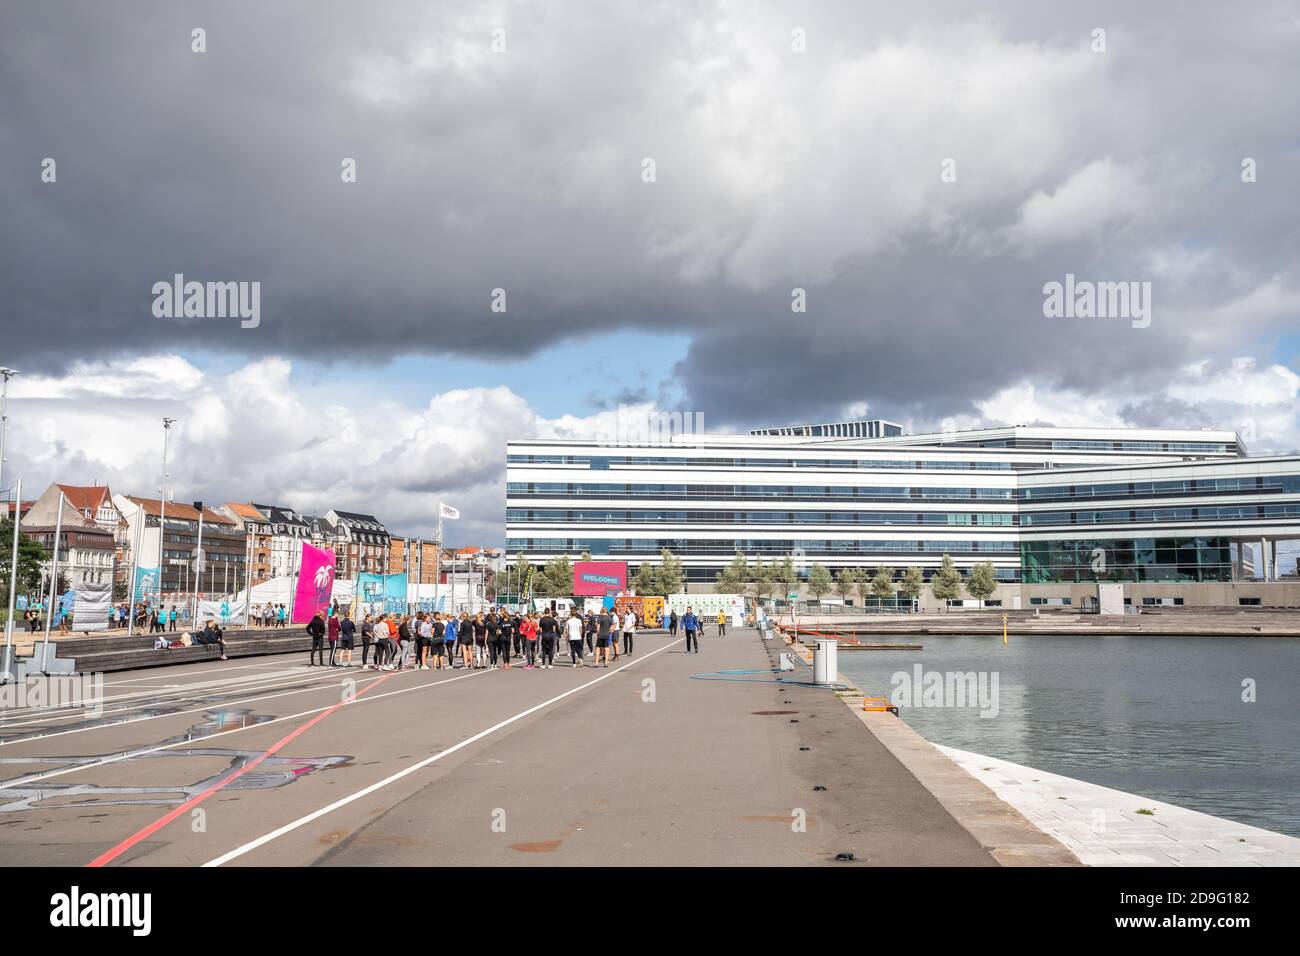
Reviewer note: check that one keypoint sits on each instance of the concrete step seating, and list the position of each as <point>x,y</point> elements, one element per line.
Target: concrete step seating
<point>114,651</point>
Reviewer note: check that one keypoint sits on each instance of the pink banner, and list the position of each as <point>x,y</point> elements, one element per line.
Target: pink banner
<point>315,582</point>
<point>594,578</point>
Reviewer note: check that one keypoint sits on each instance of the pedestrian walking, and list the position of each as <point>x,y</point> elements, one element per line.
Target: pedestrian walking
<point>691,625</point>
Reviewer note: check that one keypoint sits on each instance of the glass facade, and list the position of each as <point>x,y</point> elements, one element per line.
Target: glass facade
<point>1138,559</point>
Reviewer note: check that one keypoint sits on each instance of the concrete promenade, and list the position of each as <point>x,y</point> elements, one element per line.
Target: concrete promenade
<point>1103,827</point>
<point>266,761</point>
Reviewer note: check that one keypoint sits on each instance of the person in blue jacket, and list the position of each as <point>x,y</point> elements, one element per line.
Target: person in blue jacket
<point>449,640</point>
<point>691,625</point>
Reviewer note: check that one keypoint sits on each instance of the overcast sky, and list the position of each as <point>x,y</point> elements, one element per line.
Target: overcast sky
<point>380,379</point>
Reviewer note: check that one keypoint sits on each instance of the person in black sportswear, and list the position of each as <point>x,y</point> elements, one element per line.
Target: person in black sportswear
<point>507,636</point>
<point>550,633</point>
<point>316,628</point>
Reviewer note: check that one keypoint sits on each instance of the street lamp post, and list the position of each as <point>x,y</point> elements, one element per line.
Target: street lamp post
<point>7,671</point>
<point>6,374</point>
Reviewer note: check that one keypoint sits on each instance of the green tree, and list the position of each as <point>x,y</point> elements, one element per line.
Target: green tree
<point>759,579</point>
<point>819,580</point>
<point>585,556</point>
<point>912,582</point>
<point>982,581</point>
<point>732,578</point>
<point>645,580</point>
<point>30,556</point>
<point>669,575</point>
<point>882,585</point>
<point>784,576</point>
<point>556,578</point>
<point>845,582</point>
<point>946,582</point>
<point>519,576</point>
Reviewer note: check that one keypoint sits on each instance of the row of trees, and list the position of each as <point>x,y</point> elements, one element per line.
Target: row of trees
<point>761,580</point>
<point>555,577</point>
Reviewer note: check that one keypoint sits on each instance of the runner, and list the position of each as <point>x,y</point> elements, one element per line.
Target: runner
<point>615,631</point>
<point>574,628</point>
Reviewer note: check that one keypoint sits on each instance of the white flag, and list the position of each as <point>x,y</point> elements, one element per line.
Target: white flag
<point>446,511</point>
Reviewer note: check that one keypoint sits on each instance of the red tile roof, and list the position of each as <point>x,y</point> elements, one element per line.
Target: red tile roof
<point>245,510</point>
<point>85,497</point>
<point>177,509</point>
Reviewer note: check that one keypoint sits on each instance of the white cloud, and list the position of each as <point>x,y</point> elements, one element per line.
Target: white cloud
<point>255,434</point>
<point>1101,192</point>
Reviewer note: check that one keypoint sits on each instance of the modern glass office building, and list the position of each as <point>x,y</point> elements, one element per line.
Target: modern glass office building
<point>1043,505</point>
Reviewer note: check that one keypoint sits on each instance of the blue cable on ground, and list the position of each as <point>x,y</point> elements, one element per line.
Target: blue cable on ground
<point>723,676</point>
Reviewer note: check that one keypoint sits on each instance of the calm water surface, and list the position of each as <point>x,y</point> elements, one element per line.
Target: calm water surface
<point>1158,716</point>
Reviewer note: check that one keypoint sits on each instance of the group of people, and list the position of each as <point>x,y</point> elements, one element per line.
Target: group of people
<point>149,618</point>
<point>270,615</point>
<point>483,641</point>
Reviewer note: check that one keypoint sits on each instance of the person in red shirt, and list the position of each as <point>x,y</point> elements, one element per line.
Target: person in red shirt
<point>529,629</point>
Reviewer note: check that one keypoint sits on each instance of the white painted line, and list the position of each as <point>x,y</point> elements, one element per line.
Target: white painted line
<point>188,669</point>
<point>420,765</point>
<point>200,741</point>
<point>151,698</point>
<point>234,701</point>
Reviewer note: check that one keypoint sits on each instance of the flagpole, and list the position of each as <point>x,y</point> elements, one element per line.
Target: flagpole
<point>135,565</point>
<point>54,577</point>
<point>437,557</point>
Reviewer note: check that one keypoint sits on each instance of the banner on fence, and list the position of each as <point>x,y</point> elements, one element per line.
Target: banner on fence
<point>90,607</point>
<point>225,612</point>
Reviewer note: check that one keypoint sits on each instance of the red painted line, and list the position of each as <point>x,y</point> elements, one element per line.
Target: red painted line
<point>109,855</point>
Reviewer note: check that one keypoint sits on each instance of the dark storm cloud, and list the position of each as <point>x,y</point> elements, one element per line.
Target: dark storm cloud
<point>521,170</point>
